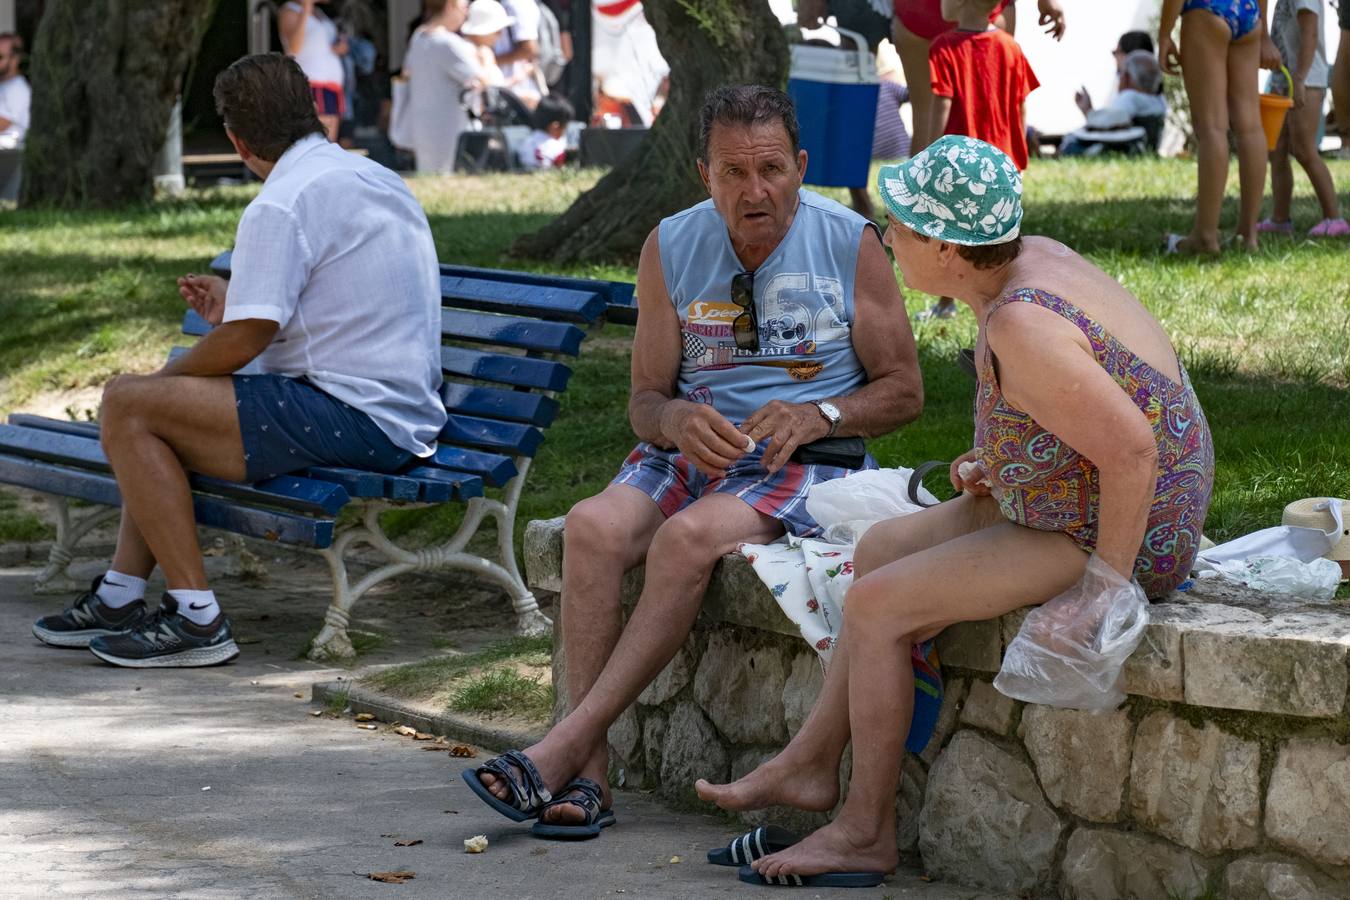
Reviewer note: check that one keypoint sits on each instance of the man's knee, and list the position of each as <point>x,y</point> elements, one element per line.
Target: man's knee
<point>121,406</point>
<point>685,540</point>
<point>596,528</point>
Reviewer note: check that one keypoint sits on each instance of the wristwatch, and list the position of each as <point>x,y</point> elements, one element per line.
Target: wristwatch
<point>831,414</point>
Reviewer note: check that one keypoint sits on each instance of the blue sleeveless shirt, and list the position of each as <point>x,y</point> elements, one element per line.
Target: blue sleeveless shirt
<point>803,297</point>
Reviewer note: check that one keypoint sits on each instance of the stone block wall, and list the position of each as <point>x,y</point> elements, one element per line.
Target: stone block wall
<point>1225,774</point>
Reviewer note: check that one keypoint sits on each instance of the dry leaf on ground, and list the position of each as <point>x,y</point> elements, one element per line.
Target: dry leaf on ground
<point>462,751</point>
<point>437,749</point>
<point>299,696</point>
<point>422,736</point>
<point>316,713</point>
<point>409,843</point>
<point>476,844</point>
<point>365,717</point>
<point>405,731</point>
<point>391,877</point>
<point>675,859</point>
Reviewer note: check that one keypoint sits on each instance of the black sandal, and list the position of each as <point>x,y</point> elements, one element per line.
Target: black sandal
<point>528,793</point>
<point>587,796</point>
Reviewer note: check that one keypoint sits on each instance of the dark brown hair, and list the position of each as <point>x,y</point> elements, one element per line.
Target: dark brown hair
<point>986,256</point>
<point>266,101</point>
<point>746,104</point>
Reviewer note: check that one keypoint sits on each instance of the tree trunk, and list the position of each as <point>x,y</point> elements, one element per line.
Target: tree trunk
<point>105,76</point>
<point>708,43</point>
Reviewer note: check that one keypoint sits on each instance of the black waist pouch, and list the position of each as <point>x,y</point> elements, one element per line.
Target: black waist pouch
<point>846,452</point>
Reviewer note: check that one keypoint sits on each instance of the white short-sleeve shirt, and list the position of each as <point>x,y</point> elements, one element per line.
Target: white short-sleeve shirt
<point>15,101</point>
<point>338,252</point>
<point>1284,31</point>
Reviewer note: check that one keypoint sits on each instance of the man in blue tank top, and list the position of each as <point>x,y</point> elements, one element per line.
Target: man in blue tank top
<point>769,318</point>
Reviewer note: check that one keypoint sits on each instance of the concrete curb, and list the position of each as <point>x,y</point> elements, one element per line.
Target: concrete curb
<point>424,718</point>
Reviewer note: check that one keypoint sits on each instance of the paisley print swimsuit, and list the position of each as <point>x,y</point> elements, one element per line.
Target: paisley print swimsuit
<point>1042,483</point>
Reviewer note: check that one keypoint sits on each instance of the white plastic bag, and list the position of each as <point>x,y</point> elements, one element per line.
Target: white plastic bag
<point>1070,650</point>
<point>847,507</point>
<point>1282,577</point>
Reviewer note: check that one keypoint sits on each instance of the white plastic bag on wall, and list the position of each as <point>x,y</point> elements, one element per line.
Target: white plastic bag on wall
<point>847,507</point>
<point>1282,577</point>
<point>1071,649</point>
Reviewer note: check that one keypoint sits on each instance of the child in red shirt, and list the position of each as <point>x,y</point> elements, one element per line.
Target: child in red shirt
<point>980,80</point>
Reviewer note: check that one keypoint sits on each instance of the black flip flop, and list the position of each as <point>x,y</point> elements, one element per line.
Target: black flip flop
<point>528,794</point>
<point>753,845</point>
<point>825,879</point>
<point>589,802</point>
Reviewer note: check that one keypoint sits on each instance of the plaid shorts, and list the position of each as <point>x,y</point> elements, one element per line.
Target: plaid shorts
<point>673,482</point>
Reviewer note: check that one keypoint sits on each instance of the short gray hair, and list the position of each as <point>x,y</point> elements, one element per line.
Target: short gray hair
<point>1144,71</point>
<point>746,105</point>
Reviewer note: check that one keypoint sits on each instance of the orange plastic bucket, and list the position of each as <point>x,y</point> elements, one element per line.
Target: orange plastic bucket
<point>1274,107</point>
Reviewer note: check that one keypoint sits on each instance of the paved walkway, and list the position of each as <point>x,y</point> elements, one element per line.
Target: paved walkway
<point>219,783</point>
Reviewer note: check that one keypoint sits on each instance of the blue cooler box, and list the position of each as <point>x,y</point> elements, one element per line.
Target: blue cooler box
<point>836,96</point>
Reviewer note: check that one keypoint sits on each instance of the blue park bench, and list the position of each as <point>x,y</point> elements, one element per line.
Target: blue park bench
<point>505,336</point>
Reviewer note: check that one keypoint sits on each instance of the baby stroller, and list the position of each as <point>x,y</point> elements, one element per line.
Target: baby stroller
<point>496,114</point>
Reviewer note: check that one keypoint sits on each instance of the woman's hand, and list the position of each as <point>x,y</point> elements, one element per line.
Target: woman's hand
<point>974,482</point>
<point>1169,55</point>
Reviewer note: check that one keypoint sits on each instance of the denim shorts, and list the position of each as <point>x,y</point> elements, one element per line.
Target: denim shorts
<point>288,424</point>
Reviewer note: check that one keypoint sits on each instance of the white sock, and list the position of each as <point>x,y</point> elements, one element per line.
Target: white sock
<point>199,607</point>
<point>117,589</point>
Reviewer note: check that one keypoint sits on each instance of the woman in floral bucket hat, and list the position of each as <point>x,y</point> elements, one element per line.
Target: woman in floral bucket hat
<point>1092,458</point>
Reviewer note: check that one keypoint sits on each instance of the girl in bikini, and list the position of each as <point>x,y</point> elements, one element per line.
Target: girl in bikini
<point>1222,45</point>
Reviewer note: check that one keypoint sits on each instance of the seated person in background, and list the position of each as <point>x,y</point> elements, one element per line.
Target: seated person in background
<point>769,319</point>
<point>1118,123</point>
<point>335,294</point>
<point>546,146</point>
<point>1092,449</point>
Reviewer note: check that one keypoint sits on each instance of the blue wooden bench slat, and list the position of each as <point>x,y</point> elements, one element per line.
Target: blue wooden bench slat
<point>498,403</point>
<point>500,296</point>
<point>443,485</point>
<point>620,304</point>
<point>213,512</point>
<point>520,371</point>
<point>396,487</point>
<point>494,468</point>
<point>512,331</point>
<point>60,426</point>
<point>615,293</point>
<point>502,437</point>
<point>503,330</point>
<point>288,491</point>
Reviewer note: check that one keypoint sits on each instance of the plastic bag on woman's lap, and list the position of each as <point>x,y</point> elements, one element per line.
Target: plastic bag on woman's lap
<point>1070,650</point>
<point>1282,578</point>
<point>847,507</point>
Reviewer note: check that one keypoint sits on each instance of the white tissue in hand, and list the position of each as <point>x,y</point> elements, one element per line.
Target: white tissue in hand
<point>969,469</point>
<point>749,444</point>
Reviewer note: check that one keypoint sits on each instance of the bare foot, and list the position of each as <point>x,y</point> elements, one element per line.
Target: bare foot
<point>811,785</point>
<point>1190,246</point>
<point>553,770</point>
<point>833,849</point>
<point>574,813</point>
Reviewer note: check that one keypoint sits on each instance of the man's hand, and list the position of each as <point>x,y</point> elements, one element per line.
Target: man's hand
<point>789,425</point>
<point>205,294</point>
<point>811,13</point>
<point>703,435</point>
<point>1270,54</point>
<point>1084,100</point>
<point>1051,18</point>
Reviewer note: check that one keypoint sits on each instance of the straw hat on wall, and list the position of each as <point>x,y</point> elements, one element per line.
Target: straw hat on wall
<point>1306,514</point>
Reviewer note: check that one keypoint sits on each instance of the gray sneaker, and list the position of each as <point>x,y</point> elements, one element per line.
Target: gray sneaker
<point>87,618</point>
<point>167,639</point>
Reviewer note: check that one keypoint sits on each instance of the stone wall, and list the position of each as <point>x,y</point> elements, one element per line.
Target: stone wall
<point>1225,774</point>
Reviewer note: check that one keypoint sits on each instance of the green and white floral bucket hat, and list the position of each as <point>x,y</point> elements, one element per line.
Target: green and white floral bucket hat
<point>958,189</point>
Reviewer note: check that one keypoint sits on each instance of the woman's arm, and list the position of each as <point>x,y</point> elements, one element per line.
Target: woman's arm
<point>1047,371</point>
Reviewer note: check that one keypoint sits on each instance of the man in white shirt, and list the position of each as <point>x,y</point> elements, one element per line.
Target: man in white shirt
<point>1117,123</point>
<point>15,94</point>
<point>336,299</point>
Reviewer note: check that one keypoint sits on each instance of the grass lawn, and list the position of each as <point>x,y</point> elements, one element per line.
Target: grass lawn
<point>1266,337</point>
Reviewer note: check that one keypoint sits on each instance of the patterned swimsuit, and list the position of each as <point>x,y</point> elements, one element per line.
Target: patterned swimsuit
<point>1044,484</point>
